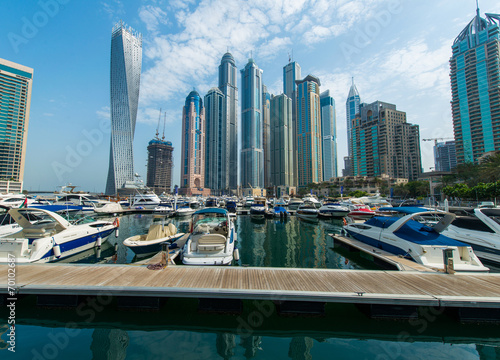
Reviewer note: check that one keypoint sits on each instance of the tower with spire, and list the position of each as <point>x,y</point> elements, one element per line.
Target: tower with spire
<point>352,108</point>
<point>475,88</point>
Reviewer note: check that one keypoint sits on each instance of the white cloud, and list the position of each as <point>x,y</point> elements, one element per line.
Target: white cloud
<point>152,16</point>
<point>104,113</point>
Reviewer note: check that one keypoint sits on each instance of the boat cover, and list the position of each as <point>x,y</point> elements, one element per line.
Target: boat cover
<point>421,234</point>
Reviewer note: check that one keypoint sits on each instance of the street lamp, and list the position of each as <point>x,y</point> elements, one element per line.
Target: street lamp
<point>431,194</point>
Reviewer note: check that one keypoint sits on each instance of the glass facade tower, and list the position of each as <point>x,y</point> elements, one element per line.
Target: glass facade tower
<point>228,84</point>
<point>352,108</point>
<point>281,144</point>
<point>126,61</point>
<point>292,73</point>
<point>329,135</point>
<point>15,99</point>
<point>475,87</point>
<point>252,152</point>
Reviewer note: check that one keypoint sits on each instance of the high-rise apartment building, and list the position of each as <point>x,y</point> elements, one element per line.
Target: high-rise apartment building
<point>193,146</point>
<point>309,142</point>
<point>252,152</point>
<point>384,143</point>
<point>475,88</point>
<point>282,136</point>
<point>352,108</point>
<point>228,84</point>
<point>15,99</point>
<point>160,164</point>
<point>329,135</point>
<point>266,135</point>
<point>126,61</point>
<point>445,156</point>
<point>218,148</point>
<point>292,73</point>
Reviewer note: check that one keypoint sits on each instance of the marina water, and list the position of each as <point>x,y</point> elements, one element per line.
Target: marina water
<point>98,330</point>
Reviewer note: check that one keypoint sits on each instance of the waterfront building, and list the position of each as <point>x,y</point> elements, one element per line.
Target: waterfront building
<point>383,143</point>
<point>475,88</point>
<point>218,148</point>
<point>445,157</point>
<point>292,73</point>
<point>193,147</point>
<point>266,135</point>
<point>329,135</point>
<point>309,144</point>
<point>252,152</point>
<point>228,84</point>
<point>160,164</point>
<point>126,61</point>
<point>352,108</point>
<point>15,101</point>
<point>282,136</point>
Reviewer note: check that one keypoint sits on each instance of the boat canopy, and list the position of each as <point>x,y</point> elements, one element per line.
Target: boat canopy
<point>405,209</point>
<point>211,210</point>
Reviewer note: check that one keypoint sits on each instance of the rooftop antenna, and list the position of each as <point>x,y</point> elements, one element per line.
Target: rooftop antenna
<point>164,121</point>
<point>477,7</point>
<point>353,80</point>
<point>158,127</point>
<point>289,58</point>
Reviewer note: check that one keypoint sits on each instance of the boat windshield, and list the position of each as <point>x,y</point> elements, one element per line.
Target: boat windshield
<point>205,218</point>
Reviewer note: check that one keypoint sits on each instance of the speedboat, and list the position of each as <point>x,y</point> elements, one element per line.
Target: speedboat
<point>331,209</point>
<point>307,211</point>
<point>151,243</point>
<point>50,237</point>
<point>145,200</point>
<point>184,211</point>
<point>294,203</point>
<point>313,200</point>
<point>7,224</point>
<point>417,236</point>
<point>212,238</point>
<point>231,206</point>
<point>481,231</point>
<point>258,208</point>
<point>280,212</point>
<point>212,202</point>
<point>359,211</point>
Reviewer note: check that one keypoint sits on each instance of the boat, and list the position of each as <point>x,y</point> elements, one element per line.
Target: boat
<point>212,238</point>
<point>416,235</point>
<point>307,211</point>
<point>231,206</point>
<point>280,212</point>
<point>16,200</point>
<point>145,200</point>
<point>151,243</point>
<point>212,202</point>
<point>7,224</point>
<point>294,203</point>
<point>332,209</point>
<point>481,231</point>
<point>248,201</point>
<point>50,237</point>
<point>258,208</point>
<point>313,200</point>
<point>358,211</point>
<point>184,211</point>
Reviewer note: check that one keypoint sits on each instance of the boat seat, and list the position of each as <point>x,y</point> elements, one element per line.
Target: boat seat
<point>41,230</point>
<point>157,231</point>
<point>212,242</point>
<point>172,229</point>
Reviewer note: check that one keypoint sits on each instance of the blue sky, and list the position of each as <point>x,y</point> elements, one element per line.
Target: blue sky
<point>397,51</point>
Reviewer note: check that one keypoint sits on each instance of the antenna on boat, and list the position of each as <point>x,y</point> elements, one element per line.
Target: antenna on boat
<point>158,127</point>
<point>164,122</point>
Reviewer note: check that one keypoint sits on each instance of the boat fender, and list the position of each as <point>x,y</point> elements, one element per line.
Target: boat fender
<point>98,242</point>
<point>116,247</point>
<point>56,248</point>
<point>344,221</point>
<point>236,254</point>
<point>116,224</point>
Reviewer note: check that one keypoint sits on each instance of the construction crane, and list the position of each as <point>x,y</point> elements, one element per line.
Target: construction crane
<point>436,140</point>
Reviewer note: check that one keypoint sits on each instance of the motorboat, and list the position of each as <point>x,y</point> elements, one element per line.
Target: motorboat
<point>231,206</point>
<point>151,243</point>
<point>50,237</point>
<point>184,211</point>
<point>359,211</point>
<point>163,209</point>
<point>313,200</point>
<point>212,238</point>
<point>417,235</point>
<point>248,201</point>
<point>307,211</point>
<point>212,202</point>
<point>279,212</point>
<point>331,209</point>
<point>7,223</point>
<point>294,203</point>
<point>16,200</point>
<point>259,208</point>
<point>481,231</point>
<point>145,200</point>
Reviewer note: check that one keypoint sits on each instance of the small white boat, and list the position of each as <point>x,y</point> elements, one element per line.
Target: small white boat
<point>151,243</point>
<point>418,237</point>
<point>184,211</point>
<point>313,200</point>
<point>259,208</point>
<point>331,209</point>
<point>50,237</point>
<point>212,238</point>
<point>307,211</point>
<point>294,203</point>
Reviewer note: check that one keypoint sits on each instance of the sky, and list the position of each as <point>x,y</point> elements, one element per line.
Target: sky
<point>397,51</point>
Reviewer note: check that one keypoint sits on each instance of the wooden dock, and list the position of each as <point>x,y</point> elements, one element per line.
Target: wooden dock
<point>276,284</point>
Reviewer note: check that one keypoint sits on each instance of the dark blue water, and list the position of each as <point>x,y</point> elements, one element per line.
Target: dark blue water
<point>97,329</point>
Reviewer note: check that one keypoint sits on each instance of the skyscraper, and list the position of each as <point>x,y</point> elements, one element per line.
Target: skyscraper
<point>193,146</point>
<point>282,136</point>
<point>266,135</point>
<point>475,88</point>
<point>329,135</point>
<point>352,108</point>
<point>218,150</point>
<point>309,131</point>
<point>126,61</point>
<point>252,152</point>
<point>229,87</point>
<point>159,176</point>
<point>15,101</point>
<point>445,156</point>
<point>292,73</point>
<point>383,143</point>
